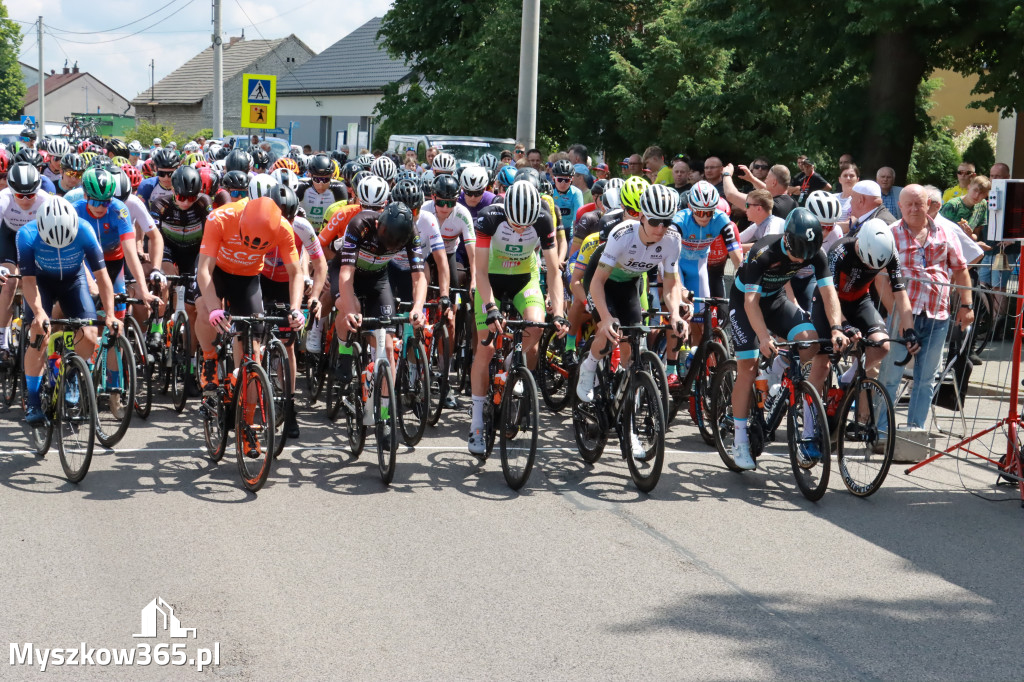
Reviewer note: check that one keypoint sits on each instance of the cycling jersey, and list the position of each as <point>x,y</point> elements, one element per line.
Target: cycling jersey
<point>75,194</point>
<point>316,203</point>
<point>583,210</point>
<point>556,215</point>
<point>512,252</point>
<point>14,216</point>
<point>363,251</point>
<point>139,214</point>
<point>181,227</point>
<point>45,185</point>
<point>61,191</point>
<point>630,258</point>
<point>53,176</point>
<point>430,237</point>
<point>852,278</point>
<point>36,258</point>
<point>333,209</point>
<point>587,224</point>
<point>150,191</point>
<point>718,253</point>
<point>486,200</point>
<point>768,268</point>
<point>459,223</point>
<point>222,240</point>
<point>338,224</point>
<point>567,204</point>
<point>305,238</point>
<point>113,227</point>
<point>587,249</point>
<point>696,240</point>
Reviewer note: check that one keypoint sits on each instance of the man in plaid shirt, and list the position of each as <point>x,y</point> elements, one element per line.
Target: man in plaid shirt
<point>931,259</point>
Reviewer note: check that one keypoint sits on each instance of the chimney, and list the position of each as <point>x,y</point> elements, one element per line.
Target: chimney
<point>74,69</point>
<point>53,72</point>
<point>65,71</point>
<point>234,40</point>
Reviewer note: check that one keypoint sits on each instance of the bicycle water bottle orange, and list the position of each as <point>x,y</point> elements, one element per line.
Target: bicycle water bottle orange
<point>367,382</point>
<point>761,384</point>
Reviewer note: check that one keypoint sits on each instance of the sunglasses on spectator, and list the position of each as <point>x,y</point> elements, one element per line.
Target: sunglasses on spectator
<point>320,178</point>
<point>18,195</point>
<point>183,198</point>
<point>98,203</point>
<point>477,193</point>
<point>520,152</point>
<point>703,214</point>
<point>445,203</point>
<point>563,179</point>
<point>965,172</point>
<point>659,222</point>
<point>165,173</point>
<point>760,166</point>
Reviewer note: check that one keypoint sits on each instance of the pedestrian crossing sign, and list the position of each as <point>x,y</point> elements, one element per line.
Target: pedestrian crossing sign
<point>259,101</point>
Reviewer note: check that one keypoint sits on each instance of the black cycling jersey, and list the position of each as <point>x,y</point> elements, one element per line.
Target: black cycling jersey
<point>588,224</point>
<point>767,268</point>
<point>362,249</point>
<point>609,220</point>
<point>852,278</point>
<point>181,227</point>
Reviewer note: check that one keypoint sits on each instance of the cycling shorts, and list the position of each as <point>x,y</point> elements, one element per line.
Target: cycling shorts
<point>241,295</point>
<point>373,289</point>
<point>71,293</point>
<point>623,301</point>
<point>401,282</point>
<point>186,259</point>
<point>522,289</point>
<point>781,316</point>
<point>274,291</point>
<point>861,314</point>
<point>8,245</point>
<point>115,269</point>
<point>695,279</point>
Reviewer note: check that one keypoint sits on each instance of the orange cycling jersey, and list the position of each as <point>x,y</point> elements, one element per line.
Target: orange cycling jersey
<point>238,236</point>
<point>338,224</point>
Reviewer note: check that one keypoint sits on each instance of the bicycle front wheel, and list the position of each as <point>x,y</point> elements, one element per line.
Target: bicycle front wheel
<point>76,419</point>
<point>215,424</point>
<point>809,442</point>
<point>115,391</point>
<point>518,430</point>
<point>652,364</point>
<point>275,364</point>
<point>413,397</point>
<point>644,433</point>
<point>714,357</point>
<point>142,398</point>
<point>254,425</point>
<point>556,381</point>
<point>864,453</point>
<point>386,426</point>
<point>439,355</point>
<point>181,359</point>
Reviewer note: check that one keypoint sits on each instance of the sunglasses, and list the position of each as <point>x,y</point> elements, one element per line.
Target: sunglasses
<point>182,198</point>
<point>659,222</point>
<point>98,203</point>
<point>320,178</point>
<point>165,173</point>
<point>965,172</point>
<point>445,203</point>
<point>73,173</point>
<point>703,214</point>
<point>134,153</point>
<point>478,193</point>
<point>237,192</point>
<point>519,152</point>
<point>18,195</point>
<point>760,166</point>
<point>563,179</point>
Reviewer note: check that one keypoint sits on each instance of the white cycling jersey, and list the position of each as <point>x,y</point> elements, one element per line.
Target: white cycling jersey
<point>140,215</point>
<point>13,216</point>
<point>458,224</point>
<point>430,236</point>
<point>629,257</point>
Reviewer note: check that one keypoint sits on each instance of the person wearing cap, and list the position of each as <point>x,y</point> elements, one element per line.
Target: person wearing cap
<point>866,204</point>
<point>157,144</point>
<point>807,181</point>
<point>601,171</point>
<point>886,179</point>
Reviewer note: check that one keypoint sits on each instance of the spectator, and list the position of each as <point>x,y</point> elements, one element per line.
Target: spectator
<point>654,161</point>
<point>998,279</point>
<point>713,172</point>
<point>201,141</point>
<point>867,204</point>
<point>807,181</point>
<point>307,150</point>
<point>410,155</point>
<point>930,259</point>
<point>696,171</point>
<point>973,252</point>
<point>759,204</point>
<point>506,158</point>
<point>886,177</point>
<point>759,168</point>
<point>431,153</point>
<point>578,157</point>
<point>519,152</point>
<point>634,165</point>
<point>377,153</point>
<point>533,157</point>
<point>970,211</point>
<point>964,173</point>
<point>601,171</point>
<point>254,141</point>
<point>776,183</point>
<point>849,175</point>
<point>681,176</point>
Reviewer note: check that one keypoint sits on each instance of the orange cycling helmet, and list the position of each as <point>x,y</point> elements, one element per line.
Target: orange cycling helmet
<point>259,223</point>
<point>285,162</point>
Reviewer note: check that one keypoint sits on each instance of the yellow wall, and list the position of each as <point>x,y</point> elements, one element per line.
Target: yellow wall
<point>952,99</point>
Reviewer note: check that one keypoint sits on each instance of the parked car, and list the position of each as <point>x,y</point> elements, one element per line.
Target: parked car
<point>462,147</point>
<point>278,146</point>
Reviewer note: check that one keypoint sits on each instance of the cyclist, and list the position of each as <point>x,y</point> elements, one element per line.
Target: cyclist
<point>320,191</point>
<point>508,235</point>
<point>609,215</point>
<point>595,191</point>
<point>475,195</point>
<point>145,233</point>
<point>409,193</point>
<point>54,251</point>
<point>384,167</point>
<point>159,187</point>
<point>443,164</point>
<point>568,199</point>
<point>37,160</point>
<point>827,208</point>
<point>236,184</point>
<point>757,310</point>
<point>19,203</point>
<point>72,167</point>
<point>56,151</point>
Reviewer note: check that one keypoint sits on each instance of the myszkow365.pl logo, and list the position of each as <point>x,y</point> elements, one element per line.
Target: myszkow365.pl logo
<point>157,617</point>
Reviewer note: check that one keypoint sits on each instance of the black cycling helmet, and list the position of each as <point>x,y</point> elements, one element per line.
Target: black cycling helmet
<point>260,159</point>
<point>340,157</point>
<point>349,170</point>
<point>29,155</point>
<point>598,188</point>
<point>117,148</point>
<point>321,165</point>
<point>302,163</point>
<point>358,178</point>
<point>28,132</point>
<point>802,234</point>
<point>446,187</point>
<point>186,182</point>
<point>562,169</point>
<point>286,200</point>
<point>235,180</point>
<point>166,158</point>
<point>72,162</point>
<point>545,186</point>
<point>238,160</point>
<point>530,175</point>
<point>395,227</point>
<point>24,178</point>
<point>409,193</point>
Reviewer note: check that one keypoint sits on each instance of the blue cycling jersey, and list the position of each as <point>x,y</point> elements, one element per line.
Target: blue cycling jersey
<point>111,228</point>
<point>697,240</point>
<point>37,258</point>
<point>47,185</point>
<point>567,205</point>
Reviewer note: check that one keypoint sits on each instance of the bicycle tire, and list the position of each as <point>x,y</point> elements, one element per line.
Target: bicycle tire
<point>181,360</point>
<point>142,397</point>
<point>462,354</point>
<point>40,437</point>
<point>440,354</point>
<point>862,471</point>
<point>812,485</point>
<point>714,356</point>
<point>722,425</point>
<point>111,429</point>
<point>215,424</point>
<point>588,428</point>
<point>10,374</point>
<point>643,416</point>
<point>276,365</point>
<point>652,364</point>
<point>252,428</point>
<point>76,457</point>
<point>724,338</point>
<point>354,411</point>
<point>555,380</point>
<point>22,345</point>
<point>519,424</point>
<point>412,395</point>
<point>385,425</point>
<point>333,398</point>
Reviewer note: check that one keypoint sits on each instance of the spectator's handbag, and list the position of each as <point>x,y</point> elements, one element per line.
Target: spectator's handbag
<point>999,262</point>
<point>958,371</point>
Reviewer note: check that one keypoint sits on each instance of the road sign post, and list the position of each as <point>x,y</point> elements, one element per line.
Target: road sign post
<point>259,101</point>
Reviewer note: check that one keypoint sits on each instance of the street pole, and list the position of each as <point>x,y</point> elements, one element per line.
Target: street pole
<point>41,123</point>
<point>218,74</point>
<point>526,120</point>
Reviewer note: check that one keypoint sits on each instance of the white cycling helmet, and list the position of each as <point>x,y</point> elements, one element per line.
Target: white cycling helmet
<point>490,162</point>
<point>220,166</point>
<point>614,183</point>
<point>522,203</point>
<point>373,192</point>
<point>384,167</point>
<point>59,148</point>
<point>57,222</point>
<point>825,206</point>
<point>190,147</point>
<point>135,146</point>
<point>287,177</point>
<point>703,196</point>
<point>443,163</point>
<point>610,199</point>
<point>474,179</point>
<point>658,201</point>
<point>365,161</point>
<point>875,243</point>
<point>260,185</point>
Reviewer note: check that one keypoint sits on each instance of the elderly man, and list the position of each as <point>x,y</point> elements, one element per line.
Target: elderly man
<point>964,172</point>
<point>776,183</point>
<point>886,178</point>
<point>713,173</point>
<point>634,165</point>
<point>865,204</point>
<point>931,260</point>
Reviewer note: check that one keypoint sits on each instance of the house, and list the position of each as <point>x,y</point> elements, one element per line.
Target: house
<point>333,95</point>
<point>184,98</point>
<point>29,74</point>
<point>75,91</point>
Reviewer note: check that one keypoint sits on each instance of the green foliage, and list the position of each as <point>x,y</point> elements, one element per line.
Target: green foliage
<point>935,158</point>
<point>207,134</point>
<point>12,87</point>
<point>145,131</point>
<point>977,145</point>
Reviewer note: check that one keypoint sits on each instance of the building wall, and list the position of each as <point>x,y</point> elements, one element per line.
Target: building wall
<point>73,98</point>
<point>29,75</point>
<point>952,100</point>
<point>319,126</point>
<point>185,118</point>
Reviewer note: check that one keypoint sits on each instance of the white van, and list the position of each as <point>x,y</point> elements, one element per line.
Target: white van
<point>463,148</point>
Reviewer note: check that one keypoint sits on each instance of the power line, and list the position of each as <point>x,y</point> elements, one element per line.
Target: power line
<point>283,63</point>
<point>111,30</point>
<point>143,30</point>
<point>56,40</point>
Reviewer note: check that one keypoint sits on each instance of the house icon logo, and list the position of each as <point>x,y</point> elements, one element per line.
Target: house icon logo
<point>157,615</point>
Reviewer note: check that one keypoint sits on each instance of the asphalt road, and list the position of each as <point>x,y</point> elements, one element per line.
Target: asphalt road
<point>447,574</point>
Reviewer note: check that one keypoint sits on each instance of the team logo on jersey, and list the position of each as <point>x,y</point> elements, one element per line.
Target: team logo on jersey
<point>657,249</point>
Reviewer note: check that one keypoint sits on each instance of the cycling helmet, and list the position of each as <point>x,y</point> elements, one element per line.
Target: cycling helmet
<point>599,187</point>
<point>259,222</point>
<point>679,198</point>
<point>99,184</point>
<point>506,176</point>
<point>5,162</point>
<point>875,243</point>
<point>610,199</point>
<point>373,192</point>
<point>191,147</point>
<point>562,169</point>
<point>335,170</point>
<point>658,201</point>
<point>99,161</point>
<point>259,185</point>
<point>287,177</point>
<point>321,165</point>
<point>339,156</point>
<point>475,179</point>
<point>122,185</point>
<point>187,182</point>
<point>57,222</point>
<point>28,132</point>
<point>803,234</point>
<point>117,148</point>
<point>427,176</point>
<point>395,226</point>
<point>490,162</point>
<point>409,193</point>
<point>426,184</point>
<point>133,173</point>
<point>614,183</point>
<point>148,168</point>
<point>287,163</point>
<point>446,187</point>
<point>703,196</point>
<point>546,187</point>
<point>348,171</point>
<point>238,160</point>
<point>825,206</point>
<point>383,167</point>
<point>134,147</point>
<point>235,180</point>
<point>59,148</point>
<point>522,204</point>
<point>284,197</point>
<point>365,161</point>
<point>357,180</point>
<point>260,159</point>
<point>24,178</point>
<point>29,155</point>
<point>631,192</point>
<point>210,180</point>
<point>443,163</point>
<point>72,162</point>
<point>166,158</point>
<point>406,174</point>
<point>118,161</point>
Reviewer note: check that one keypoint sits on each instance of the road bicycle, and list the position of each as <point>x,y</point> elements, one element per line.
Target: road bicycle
<point>461,358</point>
<point>114,379</point>
<point>276,364</point>
<point>414,378</point>
<point>11,360</point>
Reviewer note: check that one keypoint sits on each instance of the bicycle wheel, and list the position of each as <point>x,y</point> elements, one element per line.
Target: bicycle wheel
<point>275,364</point>
<point>714,356</point>
<point>413,391</point>
<point>462,354</point>
<point>115,391</point>
<point>41,437</point>
<point>553,373</point>
<point>181,359</point>
<point>858,438</point>
<point>142,398</point>
<point>386,425</point>
<point>439,354</point>
<point>643,417</point>
<point>518,430</point>
<point>76,419</point>
<point>589,429</point>
<point>652,364</point>
<point>810,452</point>
<point>334,388</point>
<point>215,424</point>
<point>254,425</point>
<point>10,372</point>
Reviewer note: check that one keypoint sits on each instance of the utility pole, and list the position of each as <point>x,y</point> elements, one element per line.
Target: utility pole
<point>152,87</point>
<point>41,123</point>
<point>526,120</point>
<point>218,74</point>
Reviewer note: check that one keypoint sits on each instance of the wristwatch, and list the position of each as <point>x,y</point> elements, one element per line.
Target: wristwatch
<point>726,174</point>
<point>966,305</point>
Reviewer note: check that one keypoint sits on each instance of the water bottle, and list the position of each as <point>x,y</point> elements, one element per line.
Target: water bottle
<point>687,362</point>
<point>54,362</point>
<point>499,386</point>
<point>761,384</point>
<point>835,395</point>
<point>368,383</point>
<point>179,296</point>
<point>615,359</point>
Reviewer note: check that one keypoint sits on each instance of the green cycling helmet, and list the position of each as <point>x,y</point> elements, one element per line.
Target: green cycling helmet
<point>99,184</point>
<point>631,192</point>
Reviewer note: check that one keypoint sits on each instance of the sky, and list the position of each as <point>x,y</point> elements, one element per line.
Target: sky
<point>173,34</point>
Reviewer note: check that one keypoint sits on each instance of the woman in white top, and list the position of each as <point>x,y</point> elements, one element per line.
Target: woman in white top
<point>849,175</point>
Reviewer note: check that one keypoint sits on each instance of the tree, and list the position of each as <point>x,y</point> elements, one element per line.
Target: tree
<point>12,87</point>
